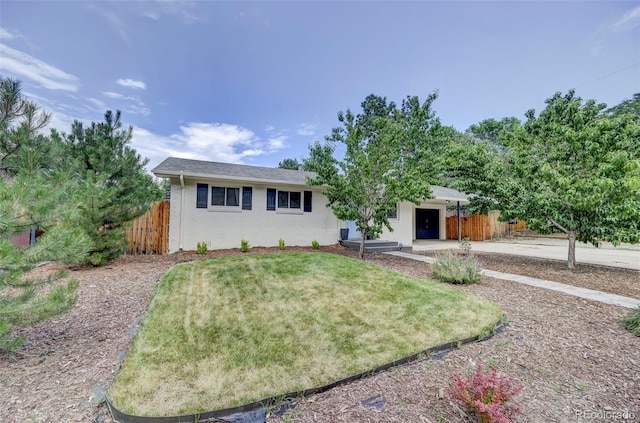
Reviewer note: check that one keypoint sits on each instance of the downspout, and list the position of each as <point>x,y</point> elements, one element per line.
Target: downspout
<point>459,227</point>
<point>181,237</point>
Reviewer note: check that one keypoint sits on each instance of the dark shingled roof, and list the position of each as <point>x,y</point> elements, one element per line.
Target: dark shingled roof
<point>200,168</point>
<point>174,166</point>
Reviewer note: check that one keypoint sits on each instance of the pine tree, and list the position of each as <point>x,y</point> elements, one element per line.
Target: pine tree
<point>35,193</point>
<point>116,186</point>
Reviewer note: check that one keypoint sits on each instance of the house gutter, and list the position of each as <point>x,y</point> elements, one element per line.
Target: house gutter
<point>459,227</point>
<point>181,237</point>
<point>245,179</point>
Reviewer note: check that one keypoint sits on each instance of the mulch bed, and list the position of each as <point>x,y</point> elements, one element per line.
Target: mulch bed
<point>571,355</point>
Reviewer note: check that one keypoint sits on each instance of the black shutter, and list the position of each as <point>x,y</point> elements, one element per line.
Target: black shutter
<point>247,197</point>
<point>201,196</point>
<point>307,201</point>
<point>271,199</point>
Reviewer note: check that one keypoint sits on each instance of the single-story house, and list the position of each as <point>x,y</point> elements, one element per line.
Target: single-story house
<point>223,203</point>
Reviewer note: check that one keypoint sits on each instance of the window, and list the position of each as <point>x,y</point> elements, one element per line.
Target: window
<point>233,197</point>
<point>393,214</point>
<point>292,200</point>
<point>201,196</point>
<point>222,196</point>
<point>271,199</point>
<point>307,201</point>
<point>217,196</point>
<point>247,195</point>
<point>289,199</point>
<point>283,199</point>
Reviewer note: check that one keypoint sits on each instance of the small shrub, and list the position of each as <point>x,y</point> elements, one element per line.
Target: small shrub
<point>315,245</point>
<point>485,395</point>
<point>632,322</point>
<point>454,268</point>
<point>281,244</point>
<point>244,245</point>
<point>201,248</point>
<point>465,245</point>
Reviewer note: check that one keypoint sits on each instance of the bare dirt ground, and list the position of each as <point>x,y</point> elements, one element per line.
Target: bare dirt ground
<point>575,360</point>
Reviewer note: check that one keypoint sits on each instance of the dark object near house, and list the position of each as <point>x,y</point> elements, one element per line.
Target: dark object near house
<point>344,234</point>
<point>26,239</point>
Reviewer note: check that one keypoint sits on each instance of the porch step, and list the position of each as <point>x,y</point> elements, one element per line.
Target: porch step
<point>371,245</point>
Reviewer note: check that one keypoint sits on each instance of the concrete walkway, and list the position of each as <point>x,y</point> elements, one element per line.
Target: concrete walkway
<point>586,293</point>
<point>626,255</point>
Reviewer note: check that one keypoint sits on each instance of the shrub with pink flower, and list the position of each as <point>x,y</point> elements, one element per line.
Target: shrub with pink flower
<point>485,395</point>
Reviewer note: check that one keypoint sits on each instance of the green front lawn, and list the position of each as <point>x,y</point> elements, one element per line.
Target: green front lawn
<point>233,330</point>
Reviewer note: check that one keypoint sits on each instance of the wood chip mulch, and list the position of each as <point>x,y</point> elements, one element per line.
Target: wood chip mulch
<point>574,358</point>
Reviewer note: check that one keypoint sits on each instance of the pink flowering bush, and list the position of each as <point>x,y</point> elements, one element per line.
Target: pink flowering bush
<point>486,395</point>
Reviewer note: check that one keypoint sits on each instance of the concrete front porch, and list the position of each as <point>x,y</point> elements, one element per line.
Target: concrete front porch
<point>381,245</point>
<point>371,245</point>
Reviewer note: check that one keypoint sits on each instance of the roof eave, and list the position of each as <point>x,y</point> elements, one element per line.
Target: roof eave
<point>170,174</point>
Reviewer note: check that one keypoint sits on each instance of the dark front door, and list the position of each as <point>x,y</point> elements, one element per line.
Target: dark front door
<point>427,224</point>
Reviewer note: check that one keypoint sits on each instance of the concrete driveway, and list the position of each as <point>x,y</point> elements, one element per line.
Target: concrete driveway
<point>626,255</point>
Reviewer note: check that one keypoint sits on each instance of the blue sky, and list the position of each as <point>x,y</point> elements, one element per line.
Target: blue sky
<point>256,82</point>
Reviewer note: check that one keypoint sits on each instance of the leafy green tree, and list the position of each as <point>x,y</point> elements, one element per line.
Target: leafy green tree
<point>116,186</point>
<point>320,155</point>
<point>468,158</point>
<point>473,167</point>
<point>33,197</point>
<point>289,163</point>
<point>573,169</point>
<point>631,106</point>
<point>490,129</point>
<point>385,161</point>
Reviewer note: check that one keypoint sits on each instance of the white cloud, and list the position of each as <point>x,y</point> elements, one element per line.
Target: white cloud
<point>135,105</point>
<point>629,21</point>
<point>306,129</point>
<point>151,15</point>
<point>113,95</point>
<point>138,109</point>
<point>64,114</point>
<point>221,142</point>
<point>24,65</point>
<point>112,13</point>
<point>5,35</point>
<point>132,83</point>
<point>99,104</point>
<point>269,128</point>
<point>184,10</point>
<point>277,143</point>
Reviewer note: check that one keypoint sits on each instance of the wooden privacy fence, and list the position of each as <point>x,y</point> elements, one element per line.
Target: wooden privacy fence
<point>481,227</point>
<point>149,233</point>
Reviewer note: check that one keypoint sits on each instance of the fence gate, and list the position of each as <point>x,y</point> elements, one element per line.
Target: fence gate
<point>481,227</point>
<point>149,233</point>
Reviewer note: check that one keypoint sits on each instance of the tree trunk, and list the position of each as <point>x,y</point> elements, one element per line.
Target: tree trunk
<point>363,237</point>
<point>571,261</point>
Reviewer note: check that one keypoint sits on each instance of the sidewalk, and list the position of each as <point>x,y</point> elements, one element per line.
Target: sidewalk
<point>589,294</point>
<point>626,256</point>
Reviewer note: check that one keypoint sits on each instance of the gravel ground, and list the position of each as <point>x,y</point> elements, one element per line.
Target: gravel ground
<point>571,355</point>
